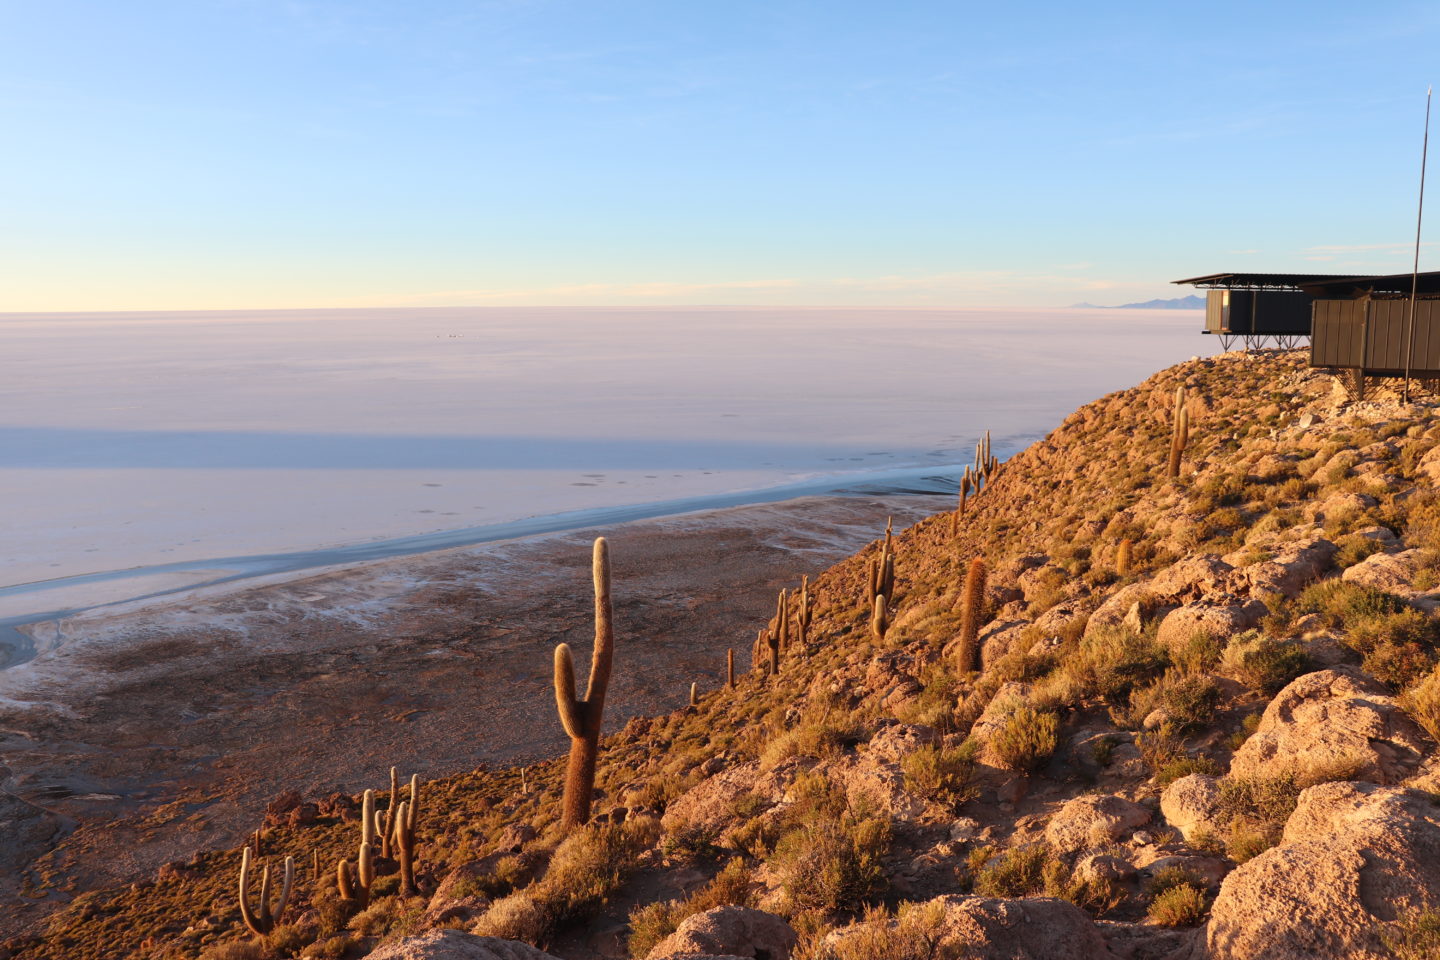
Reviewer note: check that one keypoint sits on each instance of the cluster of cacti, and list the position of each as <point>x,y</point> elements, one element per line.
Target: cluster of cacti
<point>1123,557</point>
<point>262,920</point>
<point>1179,432</point>
<point>972,602</point>
<point>355,880</point>
<point>582,718</point>
<point>985,463</point>
<point>973,479</point>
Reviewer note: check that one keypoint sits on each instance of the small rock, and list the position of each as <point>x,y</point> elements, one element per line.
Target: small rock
<point>964,829</point>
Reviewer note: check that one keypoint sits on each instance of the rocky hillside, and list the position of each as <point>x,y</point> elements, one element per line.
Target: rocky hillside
<point>1203,726</point>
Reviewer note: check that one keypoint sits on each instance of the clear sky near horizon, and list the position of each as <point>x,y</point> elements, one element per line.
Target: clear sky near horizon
<point>199,154</point>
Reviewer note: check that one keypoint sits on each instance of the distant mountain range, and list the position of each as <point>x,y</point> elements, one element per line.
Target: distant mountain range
<point>1192,302</point>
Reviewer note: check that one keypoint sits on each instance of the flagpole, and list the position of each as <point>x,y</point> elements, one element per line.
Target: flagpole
<point>1415,270</point>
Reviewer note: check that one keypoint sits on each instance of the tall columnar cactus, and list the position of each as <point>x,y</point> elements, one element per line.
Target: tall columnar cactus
<point>782,621</point>
<point>1179,432</point>
<point>803,613</point>
<point>879,618</point>
<point>882,571</point>
<point>405,816</point>
<point>354,881</point>
<point>387,831</point>
<point>730,668</point>
<point>960,504</point>
<point>582,718</point>
<point>972,602</point>
<point>1123,557</point>
<point>872,577</point>
<point>262,920</point>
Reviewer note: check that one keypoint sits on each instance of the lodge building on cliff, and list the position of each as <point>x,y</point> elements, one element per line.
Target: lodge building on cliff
<point>1358,326</point>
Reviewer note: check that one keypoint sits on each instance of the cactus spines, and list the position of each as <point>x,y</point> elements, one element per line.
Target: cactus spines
<point>1179,433</point>
<point>730,667</point>
<point>262,920</point>
<point>972,600</point>
<point>879,620</point>
<point>405,816</point>
<point>1123,557</point>
<point>582,718</point>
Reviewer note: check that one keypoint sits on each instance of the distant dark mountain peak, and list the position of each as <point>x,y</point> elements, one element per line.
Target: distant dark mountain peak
<point>1192,302</point>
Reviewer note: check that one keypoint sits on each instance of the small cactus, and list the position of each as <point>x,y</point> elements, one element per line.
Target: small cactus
<point>879,619</point>
<point>972,600</point>
<point>694,694</point>
<point>582,718</point>
<point>1123,557</point>
<point>261,921</point>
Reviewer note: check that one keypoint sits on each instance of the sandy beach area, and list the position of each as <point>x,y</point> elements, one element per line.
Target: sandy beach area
<point>211,705</point>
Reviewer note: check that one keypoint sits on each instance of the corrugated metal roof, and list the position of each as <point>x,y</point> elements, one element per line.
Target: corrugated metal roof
<point>1259,279</point>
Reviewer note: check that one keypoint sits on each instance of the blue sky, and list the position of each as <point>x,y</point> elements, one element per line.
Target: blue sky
<point>251,153</point>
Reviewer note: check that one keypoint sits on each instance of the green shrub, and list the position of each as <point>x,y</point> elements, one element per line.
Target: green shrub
<point>1179,906</point>
<point>1109,663</point>
<point>1353,549</point>
<point>236,950</point>
<point>1187,700</point>
<point>1027,739</point>
<point>1168,878</point>
<point>1183,767</point>
<point>942,774</point>
<point>1399,664</point>
<point>918,932</point>
<point>1263,663</point>
<point>1414,936</point>
<point>826,865</point>
<point>1018,872</point>
<point>1422,701</point>
<point>653,922</point>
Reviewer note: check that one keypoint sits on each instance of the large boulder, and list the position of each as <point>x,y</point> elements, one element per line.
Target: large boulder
<point>1333,721</point>
<point>1219,620</point>
<point>1390,572</point>
<point>983,928</point>
<point>455,945</point>
<point>729,931</point>
<point>1295,565</point>
<point>1093,821</point>
<point>1190,579</point>
<point>709,805</point>
<point>1117,606</point>
<point>1354,856</point>
<point>1192,805</point>
<point>873,779</point>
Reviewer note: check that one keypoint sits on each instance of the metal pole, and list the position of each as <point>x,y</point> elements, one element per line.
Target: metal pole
<point>1415,270</point>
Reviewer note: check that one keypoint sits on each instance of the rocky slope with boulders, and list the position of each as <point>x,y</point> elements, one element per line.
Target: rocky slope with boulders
<point>1204,727</point>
